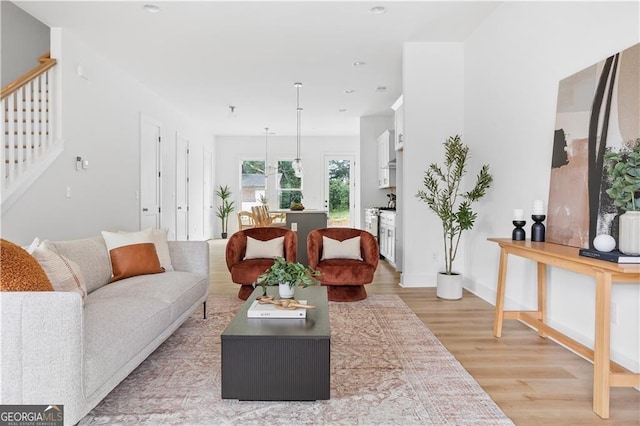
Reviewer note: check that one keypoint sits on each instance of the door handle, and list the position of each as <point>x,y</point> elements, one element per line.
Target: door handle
<point>145,209</point>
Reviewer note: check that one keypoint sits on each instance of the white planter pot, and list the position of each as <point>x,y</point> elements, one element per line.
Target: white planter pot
<point>449,286</point>
<point>629,233</point>
<point>285,291</point>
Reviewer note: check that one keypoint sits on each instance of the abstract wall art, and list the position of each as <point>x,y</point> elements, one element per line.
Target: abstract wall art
<point>598,111</point>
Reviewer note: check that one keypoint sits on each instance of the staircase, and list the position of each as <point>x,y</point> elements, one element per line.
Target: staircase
<point>30,130</point>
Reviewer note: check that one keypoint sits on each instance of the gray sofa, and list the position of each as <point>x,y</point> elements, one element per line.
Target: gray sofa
<point>54,350</point>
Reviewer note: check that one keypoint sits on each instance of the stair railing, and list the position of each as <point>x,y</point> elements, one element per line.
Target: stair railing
<point>27,120</point>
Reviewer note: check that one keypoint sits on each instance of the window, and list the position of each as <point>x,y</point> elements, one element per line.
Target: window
<point>253,183</point>
<point>288,185</point>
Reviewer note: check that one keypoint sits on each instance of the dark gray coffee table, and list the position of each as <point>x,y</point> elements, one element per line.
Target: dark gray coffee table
<point>271,359</point>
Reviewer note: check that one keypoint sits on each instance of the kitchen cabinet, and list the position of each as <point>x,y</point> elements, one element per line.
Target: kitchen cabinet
<point>387,238</point>
<point>399,123</point>
<point>386,160</point>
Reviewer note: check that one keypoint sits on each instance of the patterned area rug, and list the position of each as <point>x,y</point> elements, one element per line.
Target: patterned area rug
<point>386,368</point>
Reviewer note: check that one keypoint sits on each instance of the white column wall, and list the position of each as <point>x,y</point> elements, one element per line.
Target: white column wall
<point>433,111</point>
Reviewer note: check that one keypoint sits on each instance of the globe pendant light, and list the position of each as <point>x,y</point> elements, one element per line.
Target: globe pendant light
<point>297,162</point>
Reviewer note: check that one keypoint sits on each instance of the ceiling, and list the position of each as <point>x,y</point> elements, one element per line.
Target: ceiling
<point>205,56</point>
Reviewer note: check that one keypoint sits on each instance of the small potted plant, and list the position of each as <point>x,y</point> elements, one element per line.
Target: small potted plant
<point>623,168</point>
<point>446,199</point>
<point>296,201</point>
<point>225,208</point>
<point>287,275</point>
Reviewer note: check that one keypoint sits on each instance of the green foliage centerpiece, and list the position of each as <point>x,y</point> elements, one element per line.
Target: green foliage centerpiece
<point>444,196</point>
<point>289,275</point>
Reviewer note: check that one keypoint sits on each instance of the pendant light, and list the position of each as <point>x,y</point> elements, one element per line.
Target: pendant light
<point>297,162</point>
<point>269,169</point>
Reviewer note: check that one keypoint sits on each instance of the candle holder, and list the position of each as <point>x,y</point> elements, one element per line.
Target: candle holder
<point>537,229</point>
<point>518,233</point>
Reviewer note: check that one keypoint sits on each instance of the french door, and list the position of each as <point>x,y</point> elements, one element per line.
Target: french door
<point>339,189</point>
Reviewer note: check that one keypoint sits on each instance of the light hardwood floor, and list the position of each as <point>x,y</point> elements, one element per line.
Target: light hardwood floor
<point>533,380</point>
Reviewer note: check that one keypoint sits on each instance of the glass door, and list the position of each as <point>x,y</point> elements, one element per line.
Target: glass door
<point>339,198</point>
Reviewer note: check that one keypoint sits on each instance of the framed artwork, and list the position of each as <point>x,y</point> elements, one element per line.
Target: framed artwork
<point>598,111</point>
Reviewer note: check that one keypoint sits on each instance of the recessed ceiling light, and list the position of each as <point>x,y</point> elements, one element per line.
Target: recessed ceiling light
<point>342,110</point>
<point>151,8</point>
<point>349,91</point>
<point>359,63</point>
<point>378,10</point>
<point>381,89</point>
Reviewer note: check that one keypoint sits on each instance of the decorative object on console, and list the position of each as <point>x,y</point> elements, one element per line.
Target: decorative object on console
<point>288,275</point>
<point>518,234</point>
<point>225,208</point>
<point>538,216</point>
<point>612,256</point>
<point>297,162</point>
<point>604,243</point>
<point>597,112</point>
<point>623,167</point>
<point>296,201</point>
<point>445,198</point>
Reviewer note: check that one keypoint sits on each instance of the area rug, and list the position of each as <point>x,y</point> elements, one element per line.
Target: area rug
<point>386,368</point>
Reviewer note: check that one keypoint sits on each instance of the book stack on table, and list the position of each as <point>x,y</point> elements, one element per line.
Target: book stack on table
<point>610,256</point>
<point>260,310</point>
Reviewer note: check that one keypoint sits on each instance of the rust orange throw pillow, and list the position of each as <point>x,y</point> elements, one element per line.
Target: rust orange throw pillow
<point>19,271</point>
<point>134,259</point>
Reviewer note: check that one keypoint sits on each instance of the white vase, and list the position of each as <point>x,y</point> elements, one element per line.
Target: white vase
<point>629,233</point>
<point>449,286</point>
<point>285,291</point>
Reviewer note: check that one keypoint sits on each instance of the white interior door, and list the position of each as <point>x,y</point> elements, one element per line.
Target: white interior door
<point>182,188</point>
<point>150,173</point>
<point>207,187</point>
<point>339,189</point>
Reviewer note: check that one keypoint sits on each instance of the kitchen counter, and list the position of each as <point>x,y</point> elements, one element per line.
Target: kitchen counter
<point>303,222</point>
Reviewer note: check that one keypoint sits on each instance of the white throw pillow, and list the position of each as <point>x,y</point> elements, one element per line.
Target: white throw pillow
<point>347,249</point>
<point>64,274</point>
<point>269,249</point>
<point>132,253</point>
<point>159,237</point>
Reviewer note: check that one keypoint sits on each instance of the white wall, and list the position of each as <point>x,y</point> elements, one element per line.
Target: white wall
<point>23,40</point>
<point>101,117</point>
<point>230,150</point>
<point>513,64</point>
<point>433,104</point>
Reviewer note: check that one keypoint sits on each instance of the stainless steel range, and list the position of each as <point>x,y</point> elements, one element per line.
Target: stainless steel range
<point>371,218</point>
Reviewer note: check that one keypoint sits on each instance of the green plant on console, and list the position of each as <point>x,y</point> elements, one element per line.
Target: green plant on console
<point>446,199</point>
<point>624,170</point>
<point>291,273</point>
<point>225,208</point>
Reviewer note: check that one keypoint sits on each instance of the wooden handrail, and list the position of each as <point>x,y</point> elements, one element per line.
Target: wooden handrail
<point>46,63</point>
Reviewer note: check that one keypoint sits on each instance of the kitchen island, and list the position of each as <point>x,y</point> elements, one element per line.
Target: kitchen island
<point>303,222</point>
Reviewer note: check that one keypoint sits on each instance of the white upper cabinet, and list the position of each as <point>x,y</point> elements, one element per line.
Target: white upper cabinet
<point>386,160</point>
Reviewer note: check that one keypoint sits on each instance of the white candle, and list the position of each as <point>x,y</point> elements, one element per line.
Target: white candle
<point>518,214</point>
<point>538,207</point>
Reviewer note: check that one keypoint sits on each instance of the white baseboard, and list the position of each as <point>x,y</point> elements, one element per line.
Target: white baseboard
<point>417,280</point>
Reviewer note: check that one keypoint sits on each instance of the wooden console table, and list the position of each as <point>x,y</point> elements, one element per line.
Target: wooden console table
<point>606,374</point>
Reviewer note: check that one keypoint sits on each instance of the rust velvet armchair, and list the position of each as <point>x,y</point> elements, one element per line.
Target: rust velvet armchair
<point>250,252</point>
<point>345,271</point>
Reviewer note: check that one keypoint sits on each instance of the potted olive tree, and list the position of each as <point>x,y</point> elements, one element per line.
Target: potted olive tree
<point>225,208</point>
<point>624,170</point>
<point>288,276</point>
<point>445,197</point>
